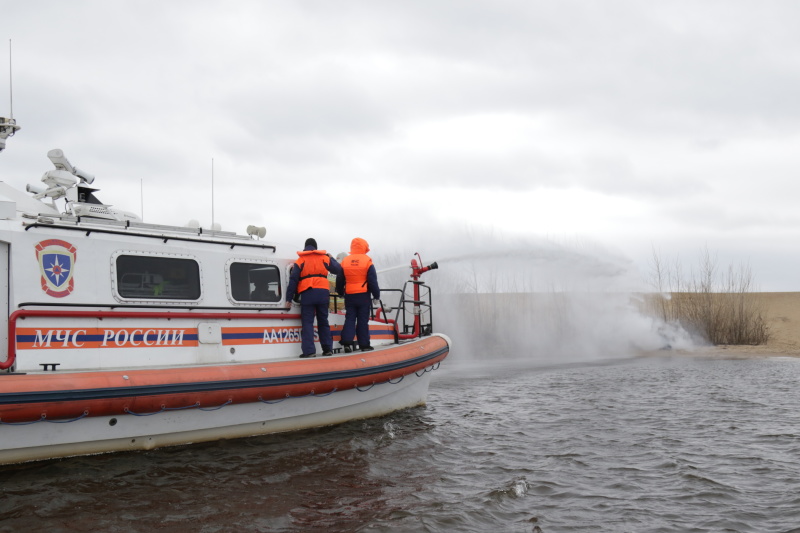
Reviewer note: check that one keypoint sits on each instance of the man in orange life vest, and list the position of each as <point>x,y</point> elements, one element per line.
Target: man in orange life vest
<point>358,281</point>
<point>309,279</point>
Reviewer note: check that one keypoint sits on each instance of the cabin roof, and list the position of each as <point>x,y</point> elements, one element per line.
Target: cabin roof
<point>25,204</point>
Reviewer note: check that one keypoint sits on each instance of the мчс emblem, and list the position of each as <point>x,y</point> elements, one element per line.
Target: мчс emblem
<point>56,263</point>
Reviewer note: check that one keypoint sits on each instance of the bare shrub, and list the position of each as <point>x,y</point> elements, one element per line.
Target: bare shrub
<point>722,307</point>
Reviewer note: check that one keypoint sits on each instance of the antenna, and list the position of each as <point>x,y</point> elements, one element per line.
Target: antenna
<point>212,193</point>
<point>10,85</point>
<point>141,195</point>
<point>8,126</point>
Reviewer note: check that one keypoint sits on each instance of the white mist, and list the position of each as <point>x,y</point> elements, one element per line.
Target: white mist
<point>535,301</point>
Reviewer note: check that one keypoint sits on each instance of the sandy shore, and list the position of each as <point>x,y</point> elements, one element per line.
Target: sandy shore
<point>782,313</point>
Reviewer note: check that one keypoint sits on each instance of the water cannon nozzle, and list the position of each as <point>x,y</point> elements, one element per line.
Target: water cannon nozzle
<point>432,266</point>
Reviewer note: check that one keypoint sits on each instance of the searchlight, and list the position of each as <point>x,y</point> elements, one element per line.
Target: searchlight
<point>256,231</point>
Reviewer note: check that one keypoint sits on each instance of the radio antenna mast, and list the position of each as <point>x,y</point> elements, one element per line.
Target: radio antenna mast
<point>8,126</point>
<point>212,193</point>
<point>10,85</point>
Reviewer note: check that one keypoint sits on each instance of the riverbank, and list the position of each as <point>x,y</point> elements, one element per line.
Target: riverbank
<point>782,314</point>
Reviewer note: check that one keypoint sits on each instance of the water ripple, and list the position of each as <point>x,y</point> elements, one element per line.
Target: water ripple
<point>656,445</point>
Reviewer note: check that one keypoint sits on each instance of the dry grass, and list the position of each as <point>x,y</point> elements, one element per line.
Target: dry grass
<point>719,306</point>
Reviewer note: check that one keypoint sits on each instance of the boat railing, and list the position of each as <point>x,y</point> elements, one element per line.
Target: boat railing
<point>413,310</point>
<point>153,231</point>
<point>56,313</point>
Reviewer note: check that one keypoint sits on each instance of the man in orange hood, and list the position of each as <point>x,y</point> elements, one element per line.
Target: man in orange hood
<point>309,279</point>
<point>358,281</point>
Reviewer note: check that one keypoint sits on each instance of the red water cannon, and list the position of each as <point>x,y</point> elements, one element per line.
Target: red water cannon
<point>417,331</point>
<point>417,270</point>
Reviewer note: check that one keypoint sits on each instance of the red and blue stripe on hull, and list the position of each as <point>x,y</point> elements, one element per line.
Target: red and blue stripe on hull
<point>67,395</point>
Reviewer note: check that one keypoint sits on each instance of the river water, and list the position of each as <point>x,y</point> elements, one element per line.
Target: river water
<point>659,444</point>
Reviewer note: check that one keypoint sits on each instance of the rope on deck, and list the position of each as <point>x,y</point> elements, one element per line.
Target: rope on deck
<point>44,419</point>
<point>290,397</point>
<point>428,369</point>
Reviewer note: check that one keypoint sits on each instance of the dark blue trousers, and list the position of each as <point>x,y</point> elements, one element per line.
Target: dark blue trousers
<point>314,303</point>
<point>357,309</point>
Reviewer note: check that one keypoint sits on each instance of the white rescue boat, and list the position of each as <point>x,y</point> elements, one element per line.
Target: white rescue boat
<point>124,335</point>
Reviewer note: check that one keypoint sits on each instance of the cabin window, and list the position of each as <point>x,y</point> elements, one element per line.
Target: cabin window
<point>161,278</point>
<point>255,282</point>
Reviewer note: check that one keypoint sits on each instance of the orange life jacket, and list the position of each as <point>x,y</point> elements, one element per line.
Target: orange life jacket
<point>355,267</point>
<point>314,273</point>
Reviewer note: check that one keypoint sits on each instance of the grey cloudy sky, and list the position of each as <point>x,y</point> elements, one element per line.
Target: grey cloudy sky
<point>633,125</point>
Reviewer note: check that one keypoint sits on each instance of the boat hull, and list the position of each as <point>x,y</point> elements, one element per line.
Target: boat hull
<point>51,415</point>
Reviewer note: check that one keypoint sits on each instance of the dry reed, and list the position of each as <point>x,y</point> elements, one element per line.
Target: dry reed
<point>722,307</point>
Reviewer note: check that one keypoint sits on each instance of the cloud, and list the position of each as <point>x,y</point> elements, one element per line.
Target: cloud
<point>618,120</point>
